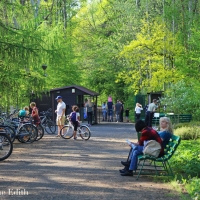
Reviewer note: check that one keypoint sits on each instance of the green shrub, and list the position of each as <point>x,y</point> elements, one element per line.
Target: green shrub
<point>187,158</point>
<point>131,116</point>
<point>188,133</point>
<point>194,123</point>
<point>178,98</point>
<point>193,187</point>
<point>186,124</point>
<point>180,125</point>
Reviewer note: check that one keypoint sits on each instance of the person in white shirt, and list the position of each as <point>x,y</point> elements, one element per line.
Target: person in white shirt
<point>150,113</point>
<point>138,109</point>
<point>60,120</point>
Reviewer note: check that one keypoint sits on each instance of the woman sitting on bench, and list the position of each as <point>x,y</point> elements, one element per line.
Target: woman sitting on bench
<point>166,130</point>
<point>148,133</point>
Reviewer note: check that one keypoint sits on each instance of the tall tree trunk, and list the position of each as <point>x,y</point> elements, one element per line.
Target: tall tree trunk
<point>65,13</point>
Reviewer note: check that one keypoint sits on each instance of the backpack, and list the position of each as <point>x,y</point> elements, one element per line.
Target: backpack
<point>22,113</point>
<point>73,117</point>
<point>152,148</point>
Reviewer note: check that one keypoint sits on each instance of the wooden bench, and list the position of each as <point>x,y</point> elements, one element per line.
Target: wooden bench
<point>182,118</point>
<point>164,167</point>
<point>155,120</point>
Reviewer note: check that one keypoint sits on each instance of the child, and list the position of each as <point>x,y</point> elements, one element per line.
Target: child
<point>24,114</point>
<point>109,98</point>
<point>26,108</point>
<point>75,118</point>
<point>27,117</point>
<point>127,114</point>
<point>35,114</point>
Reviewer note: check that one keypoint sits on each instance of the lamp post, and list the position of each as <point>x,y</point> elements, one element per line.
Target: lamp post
<point>44,67</point>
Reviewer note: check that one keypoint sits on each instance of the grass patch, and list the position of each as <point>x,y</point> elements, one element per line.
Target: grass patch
<point>186,165</point>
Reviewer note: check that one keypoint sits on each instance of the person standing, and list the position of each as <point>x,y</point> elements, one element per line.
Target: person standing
<point>95,112</point>
<point>60,120</point>
<point>146,109</point>
<point>85,110</point>
<point>138,109</point>
<point>150,113</point>
<point>127,114</point>
<point>118,108</point>
<point>122,112</point>
<point>89,108</point>
<point>104,111</point>
<point>110,110</point>
<point>109,98</point>
<point>35,114</point>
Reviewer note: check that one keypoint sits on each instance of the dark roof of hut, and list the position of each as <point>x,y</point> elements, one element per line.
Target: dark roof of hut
<point>85,90</point>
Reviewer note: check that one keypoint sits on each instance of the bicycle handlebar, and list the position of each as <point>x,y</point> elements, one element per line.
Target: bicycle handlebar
<point>46,112</point>
<point>49,110</point>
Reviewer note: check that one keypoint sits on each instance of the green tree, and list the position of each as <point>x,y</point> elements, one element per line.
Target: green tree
<point>151,58</point>
<point>183,98</point>
<point>30,40</point>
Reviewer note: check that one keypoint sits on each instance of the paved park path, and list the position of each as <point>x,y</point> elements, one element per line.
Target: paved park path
<point>54,168</point>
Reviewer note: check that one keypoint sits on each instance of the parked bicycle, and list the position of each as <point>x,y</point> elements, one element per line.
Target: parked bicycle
<point>20,128</point>
<point>40,129</point>
<point>3,118</point>
<point>25,131</point>
<point>6,146</point>
<point>8,130</point>
<point>8,119</point>
<point>67,131</point>
<point>47,123</point>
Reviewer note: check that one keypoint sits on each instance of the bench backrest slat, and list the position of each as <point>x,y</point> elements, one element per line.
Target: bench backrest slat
<point>171,146</point>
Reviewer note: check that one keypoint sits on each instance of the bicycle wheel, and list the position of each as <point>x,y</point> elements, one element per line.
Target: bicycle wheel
<point>66,132</point>
<point>84,132</point>
<point>8,131</point>
<point>27,133</point>
<point>40,132</point>
<point>50,127</point>
<point>6,146</point>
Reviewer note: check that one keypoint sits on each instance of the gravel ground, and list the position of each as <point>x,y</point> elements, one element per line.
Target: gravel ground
<point>54,168</point>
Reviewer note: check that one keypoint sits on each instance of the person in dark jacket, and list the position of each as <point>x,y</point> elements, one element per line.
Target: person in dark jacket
<point>110,111</point>
<point>122,112</point>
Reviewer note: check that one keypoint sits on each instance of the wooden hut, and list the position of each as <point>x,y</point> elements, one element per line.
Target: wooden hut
<point>71,95</point>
